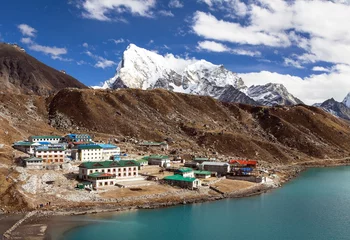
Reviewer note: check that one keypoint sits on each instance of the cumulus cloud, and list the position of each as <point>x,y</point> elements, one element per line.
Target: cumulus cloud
<point>101,62</point>
<point>166,13</point>
<point>104,10</point>
<point>232,7</point>
<point>175,4</point>
<point>213,46</point>
<point>53,51</point>
<point>85,45</point>
<point>322,35</point>
<point>320,69</point>
<point>118,41</point>
<point>27,30</point>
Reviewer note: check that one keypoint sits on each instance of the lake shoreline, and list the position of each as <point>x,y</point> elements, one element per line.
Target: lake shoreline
<point>293,172</point>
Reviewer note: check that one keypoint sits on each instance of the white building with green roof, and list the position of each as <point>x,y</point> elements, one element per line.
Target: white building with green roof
<point>33,163</point>
<point>184,182</point>
<point>185,172</point>
<point>160,160</point>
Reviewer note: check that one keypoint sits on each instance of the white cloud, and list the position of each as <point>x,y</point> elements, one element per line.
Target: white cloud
<point>103,10</point>
<point>105,63</point>
<point>26,40</point>
<point>321,36</point>
<point>232,7</point>
<point>27,30</point>
<point>311,89</point>
<point>53,51</point>
<point>118,41</point>
<point>101,62</point>
<point>293,63</point>
<point>175,4</point>
<point>85,45</point>
<point>209,27</point>
<point>166,13</point>
<point>212,46</point>
<point>320,69</point>
<point>219,47</point>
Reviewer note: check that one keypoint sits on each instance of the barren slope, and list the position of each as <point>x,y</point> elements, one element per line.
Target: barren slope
<point>278,134</point>
<point>21,73</point>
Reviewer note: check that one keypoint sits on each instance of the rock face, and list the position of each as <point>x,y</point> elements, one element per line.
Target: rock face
<point>20,73</point>
<point>338,109</point>
<point>145,69</point>
<point>272,94</point>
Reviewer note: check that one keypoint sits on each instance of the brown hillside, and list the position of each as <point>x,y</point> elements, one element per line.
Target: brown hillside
<point>278,134</point>
<point>20,73</point>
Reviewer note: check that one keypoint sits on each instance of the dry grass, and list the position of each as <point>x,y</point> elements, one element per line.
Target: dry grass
<point>145,190</point>
<point>229,186</point>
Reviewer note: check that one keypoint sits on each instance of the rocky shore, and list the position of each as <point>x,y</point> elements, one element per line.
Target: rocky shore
<point>284,173</point>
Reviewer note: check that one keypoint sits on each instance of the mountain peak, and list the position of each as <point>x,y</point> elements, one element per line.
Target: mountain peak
<point>346,100</point>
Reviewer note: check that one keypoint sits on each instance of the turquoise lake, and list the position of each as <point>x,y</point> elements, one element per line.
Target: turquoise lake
<point>316,205</point>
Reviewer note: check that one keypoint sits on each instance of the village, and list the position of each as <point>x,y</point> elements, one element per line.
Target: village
<point>98,167</point>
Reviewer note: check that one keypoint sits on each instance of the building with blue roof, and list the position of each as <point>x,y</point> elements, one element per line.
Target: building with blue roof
<point>96,152</point>
<point>73,137</point>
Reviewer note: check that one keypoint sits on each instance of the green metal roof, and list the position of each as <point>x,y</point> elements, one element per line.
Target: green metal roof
<point>141,160</point>
<point>45,137</point>
<point>100,174</point>
<point>179,178</point>
<point>202,172</point>
<point>153,143</point>
<point>90,146</point>
<point>158,157</point>
<point>200,159</point>
<point>184,170</point>
<point>109,164</point>
<point>23,143</point>
<point>33,159</point>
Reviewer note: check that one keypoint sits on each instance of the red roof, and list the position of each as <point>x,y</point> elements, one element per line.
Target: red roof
<point>244,162</point>
<point>79,143</point>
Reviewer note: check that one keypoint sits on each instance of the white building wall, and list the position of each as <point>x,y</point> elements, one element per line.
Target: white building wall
<point>90,155</point>
<point>50,140</point>
<point>108,153</point>
<point>122,172</point>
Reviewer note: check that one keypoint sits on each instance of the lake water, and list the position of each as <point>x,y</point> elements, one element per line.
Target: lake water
<point>314,206</point>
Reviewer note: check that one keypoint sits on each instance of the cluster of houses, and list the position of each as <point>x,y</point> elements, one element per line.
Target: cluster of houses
<point>101,164</point>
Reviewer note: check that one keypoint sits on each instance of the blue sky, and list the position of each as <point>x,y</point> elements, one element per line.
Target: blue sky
<point>265,41</point>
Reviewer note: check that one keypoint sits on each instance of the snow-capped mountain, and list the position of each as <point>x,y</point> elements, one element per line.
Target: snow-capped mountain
<point>144,69</point>
<point>346,100</point>
<point>272,94</point>
<point>339,109</point>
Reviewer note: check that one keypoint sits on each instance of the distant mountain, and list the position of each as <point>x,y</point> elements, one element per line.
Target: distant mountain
<point>21,73</point>
<point>272,94</point>
<point>339,109</point>
<point>145,69</point>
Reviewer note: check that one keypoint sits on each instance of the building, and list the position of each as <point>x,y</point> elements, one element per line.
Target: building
<point>106,172</point>
<point>184,182</point>
<point>221,168</point>
<point>193,165</point>
<point>50,139</point>
<point>33,163</point>
<point>50,153</point>
<point>80,138</point>
<point>244,163</point>
<point>26,147</point>
<point>203,159</point>
<point>96,152</point>
<point>160,145</point>
<point>160,160</point>
<point>99,179</point>
<point>142,162</point>
<point>202,174</point>
<point>185,172</point>
<point>109,151</point>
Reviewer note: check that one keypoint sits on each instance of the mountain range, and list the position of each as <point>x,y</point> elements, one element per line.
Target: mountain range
<point>144,69</point>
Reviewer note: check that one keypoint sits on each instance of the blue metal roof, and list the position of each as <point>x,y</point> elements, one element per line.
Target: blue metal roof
<point>107,146</point>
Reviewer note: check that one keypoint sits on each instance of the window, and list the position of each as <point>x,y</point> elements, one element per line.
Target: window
<point>134,173</point>
<point>109,170</point>
<point>100,184</point>
<point>124,174</point>
<point>129,168</point>
<point>103,170</point>
<point>119,175</point>
<point>134,168</point>
<point>111,183</point>
<point>114,170</point>
<point>129,173</point>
